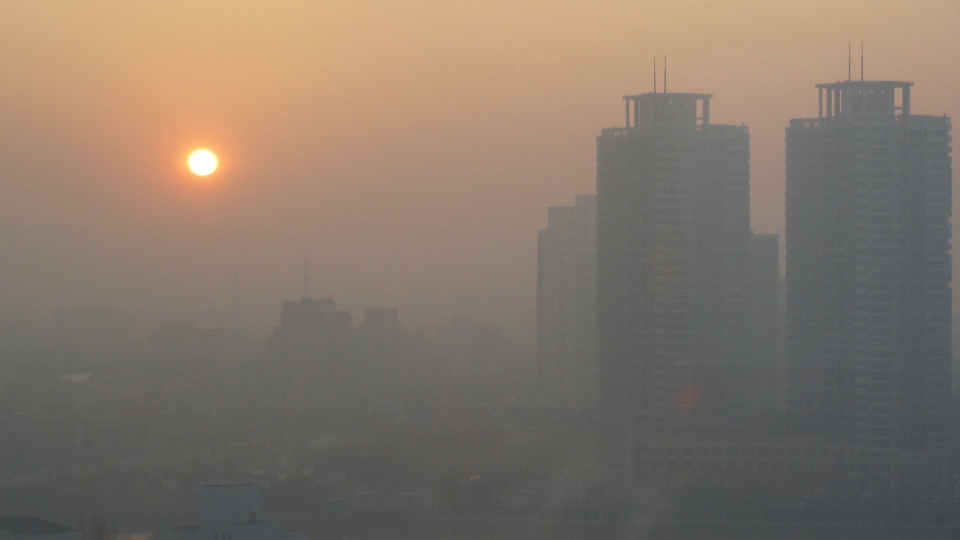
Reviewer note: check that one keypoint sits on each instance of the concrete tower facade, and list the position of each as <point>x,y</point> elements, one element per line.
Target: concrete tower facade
<point>868,204</point>
<point>673,246</point>
<point>765,318</point>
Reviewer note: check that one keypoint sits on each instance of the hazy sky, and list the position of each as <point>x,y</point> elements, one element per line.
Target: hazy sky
<point>408,149</point>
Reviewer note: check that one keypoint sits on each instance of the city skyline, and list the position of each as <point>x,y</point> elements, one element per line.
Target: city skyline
<point>311,149</point>
<point>411,270</point>
<point>683,365</point>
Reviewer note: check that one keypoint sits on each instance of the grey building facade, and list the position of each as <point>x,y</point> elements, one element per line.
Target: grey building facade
<point>567,305</point>
<point>868,204</point>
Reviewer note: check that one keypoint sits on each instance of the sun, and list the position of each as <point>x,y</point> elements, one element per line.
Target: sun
<point>202,162</point>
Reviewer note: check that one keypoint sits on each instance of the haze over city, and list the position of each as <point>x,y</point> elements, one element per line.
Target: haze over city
<point>407,150</point>
<point>464,270</point>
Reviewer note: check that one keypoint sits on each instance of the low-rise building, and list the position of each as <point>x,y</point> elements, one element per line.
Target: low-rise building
<point>229,512</point>
<point>34,528</point>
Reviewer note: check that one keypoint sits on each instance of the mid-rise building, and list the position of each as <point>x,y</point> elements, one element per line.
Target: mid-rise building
<point>308,354</point>
<point>868,271</point>
<point>311,332</point>
<point>567,305</point>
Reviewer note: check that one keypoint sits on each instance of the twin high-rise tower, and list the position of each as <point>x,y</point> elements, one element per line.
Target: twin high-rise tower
<point>868,301</point>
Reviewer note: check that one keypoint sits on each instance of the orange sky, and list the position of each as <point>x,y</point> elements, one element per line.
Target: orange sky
<point>408,149</point>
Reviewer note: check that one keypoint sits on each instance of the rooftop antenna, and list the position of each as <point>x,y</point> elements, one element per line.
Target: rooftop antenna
<point>861,61</point>
<point>235,295</point>
<point>849,63</point>
<point>306,279</point>
<point>664,74</point>
<point>654,74</point>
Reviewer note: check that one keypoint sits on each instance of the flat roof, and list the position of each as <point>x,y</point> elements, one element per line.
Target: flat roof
<point>671,94</point>
<point>898,84</point>
<point>30,526</point>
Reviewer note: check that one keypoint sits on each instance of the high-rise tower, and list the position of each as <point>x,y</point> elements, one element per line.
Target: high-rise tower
<point>868,203</point>
<point>673,234</point>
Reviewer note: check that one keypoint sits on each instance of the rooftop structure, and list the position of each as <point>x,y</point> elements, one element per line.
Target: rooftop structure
<point>847,99</point>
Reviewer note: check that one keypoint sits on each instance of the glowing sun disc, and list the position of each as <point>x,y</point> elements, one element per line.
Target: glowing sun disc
<point>202,162</point>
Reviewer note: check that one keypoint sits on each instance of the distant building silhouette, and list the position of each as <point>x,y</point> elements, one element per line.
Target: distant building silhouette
<point>389,356</point>
<point>382,332</point>
<point>567,304</point>
<point>307,354</point>
<point>312,332</point>
<point>673,246</point>
<point>868,203</point>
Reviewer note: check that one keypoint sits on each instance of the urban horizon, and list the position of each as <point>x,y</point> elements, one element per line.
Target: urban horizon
<point>365,271</point>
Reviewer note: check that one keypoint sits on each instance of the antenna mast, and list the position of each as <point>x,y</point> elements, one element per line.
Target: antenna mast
<point>849,63</point>
<point>861,61</point>
<point>235,296</point>
<point>654,74</point>
<point>664,74</point>
<point>306,279</point>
